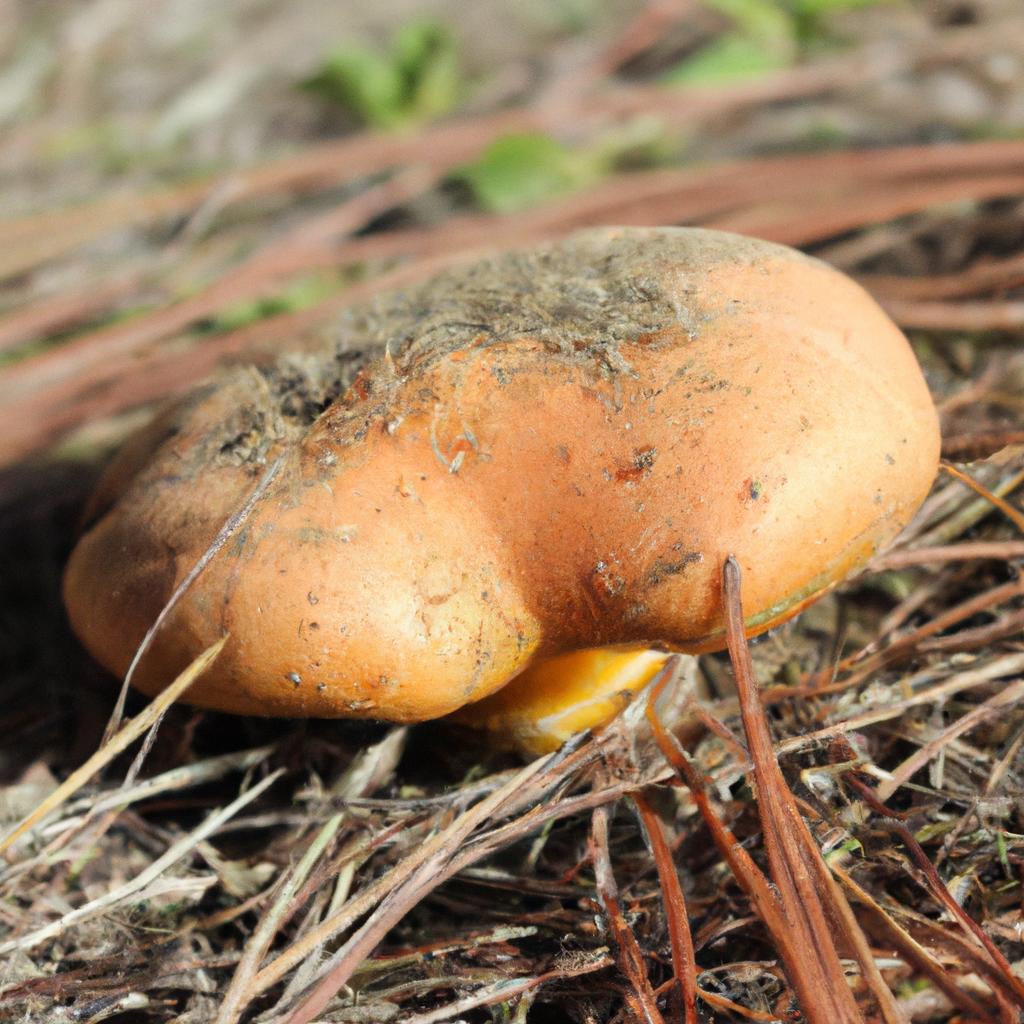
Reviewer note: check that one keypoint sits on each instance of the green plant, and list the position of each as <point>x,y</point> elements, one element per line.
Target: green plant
<point>416,80</point>
<point>519,171</point>
<point>766,35</point>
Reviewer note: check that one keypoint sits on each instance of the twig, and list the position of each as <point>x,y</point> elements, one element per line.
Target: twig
<point>969,513</point>
<point>980,636</point>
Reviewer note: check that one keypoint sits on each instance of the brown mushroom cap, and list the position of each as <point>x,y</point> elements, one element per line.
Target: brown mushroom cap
<point>543,452</point>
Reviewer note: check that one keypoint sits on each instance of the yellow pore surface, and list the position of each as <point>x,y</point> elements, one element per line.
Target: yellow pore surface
<point>556,698</point>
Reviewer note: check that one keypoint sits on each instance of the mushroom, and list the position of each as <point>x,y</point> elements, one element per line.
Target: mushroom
<point>534,464</point>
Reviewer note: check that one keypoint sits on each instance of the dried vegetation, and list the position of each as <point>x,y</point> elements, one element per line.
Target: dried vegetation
<point>847,842</point>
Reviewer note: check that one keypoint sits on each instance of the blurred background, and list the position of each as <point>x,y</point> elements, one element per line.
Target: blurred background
<point>185,182</point>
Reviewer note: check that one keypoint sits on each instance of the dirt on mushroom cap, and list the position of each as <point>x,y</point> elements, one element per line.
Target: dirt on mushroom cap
<point>544,451</point>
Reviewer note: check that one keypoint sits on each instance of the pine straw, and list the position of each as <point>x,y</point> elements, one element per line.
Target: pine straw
<point>620,860</point>
<point>847,841</point>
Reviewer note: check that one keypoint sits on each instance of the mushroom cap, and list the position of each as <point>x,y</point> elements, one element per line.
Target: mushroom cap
<point>543,452</point>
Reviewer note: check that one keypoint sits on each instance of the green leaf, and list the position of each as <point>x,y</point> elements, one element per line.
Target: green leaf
<point>428,63</point>
<point>728,58</point>
<point>766,35</point>
<point>768,21</point>
<point>419,79</point>
<point>519,171</point>
<point>822,8</point>
<point>763,39</point>
<point>363,83</point>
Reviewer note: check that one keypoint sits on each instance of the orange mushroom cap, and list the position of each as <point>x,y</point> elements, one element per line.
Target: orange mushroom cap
<point>541,453</point>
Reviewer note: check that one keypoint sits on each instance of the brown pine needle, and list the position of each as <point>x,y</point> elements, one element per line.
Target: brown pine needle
<point>763,898</point>
<point>151,875</point>
<point>968,551</point>
<point>684,965</point>
<point>866,662</point>
<point>909,949</point>
<point>631,958</point>
<point>422,871</point>
<point>999,702</point>
<point>373,767</point>
<point>816,973</point>
<point>1000,970</point>
<point>1014,515</point>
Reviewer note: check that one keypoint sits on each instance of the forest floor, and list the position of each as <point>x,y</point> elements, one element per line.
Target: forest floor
<point>186,183</point>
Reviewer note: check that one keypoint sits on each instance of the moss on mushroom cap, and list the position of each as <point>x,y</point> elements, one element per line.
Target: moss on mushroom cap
<point>542,452</point>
